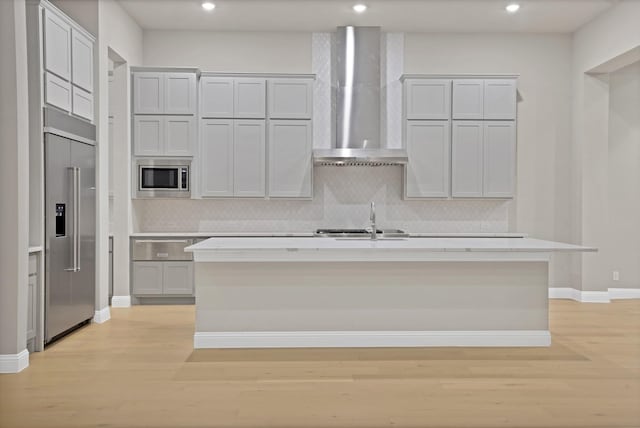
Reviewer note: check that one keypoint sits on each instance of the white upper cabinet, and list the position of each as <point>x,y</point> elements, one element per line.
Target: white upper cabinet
<point>290,98</point>
<point>148,135</point>
<point>216,97</point>
<point>57,92</point>
<point>216,157</point>
<point>148,93</point>
<point>233,97</point>
<point>249,158</point>
<point>249,99</point>
<point>164,93</point>
<point>500,99</point>
<point>57,45</point>
<point>468,99</point>
<point>428,147</point>
<point>82,103</point>
<point>427,99</point>
<point>81,61</point>
<point>158,135</point>
<point>179,135</point>
<point>179,93</point>
<point>467,159</point>
<point>499,159</point>
<point>290,162</point>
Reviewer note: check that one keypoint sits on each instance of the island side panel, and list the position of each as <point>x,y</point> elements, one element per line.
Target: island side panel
<point>371,297</point>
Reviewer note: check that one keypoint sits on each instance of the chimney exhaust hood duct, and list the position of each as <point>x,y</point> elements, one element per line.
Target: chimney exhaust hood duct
<point>357,84</point>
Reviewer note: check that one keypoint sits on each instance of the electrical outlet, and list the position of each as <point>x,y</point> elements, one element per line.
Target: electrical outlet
<point>616,275</point>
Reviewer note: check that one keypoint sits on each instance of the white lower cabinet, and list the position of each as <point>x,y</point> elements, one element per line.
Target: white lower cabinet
<point>290,158</point>
<point>483,159</point>
<point>428,147</point>
<point>160,278</point>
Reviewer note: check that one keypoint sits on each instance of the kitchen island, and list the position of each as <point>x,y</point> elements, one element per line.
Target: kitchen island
<point>332,292</point>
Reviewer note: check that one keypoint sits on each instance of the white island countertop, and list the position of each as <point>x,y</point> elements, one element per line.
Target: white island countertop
<point>359,249</point>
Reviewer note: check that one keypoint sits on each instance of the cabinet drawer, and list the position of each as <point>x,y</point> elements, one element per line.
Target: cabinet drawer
<point>57,92</point>
<point>82,103</point>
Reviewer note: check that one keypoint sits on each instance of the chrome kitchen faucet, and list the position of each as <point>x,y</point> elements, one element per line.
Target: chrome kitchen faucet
<point>372,217</point>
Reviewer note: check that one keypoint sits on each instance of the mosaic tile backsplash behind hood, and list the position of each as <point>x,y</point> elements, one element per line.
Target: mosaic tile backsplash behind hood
<point>341,199</point>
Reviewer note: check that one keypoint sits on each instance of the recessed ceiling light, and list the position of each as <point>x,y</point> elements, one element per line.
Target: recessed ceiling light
<point>359,8</point>
<point>208,6</point>
<point>512,8</point>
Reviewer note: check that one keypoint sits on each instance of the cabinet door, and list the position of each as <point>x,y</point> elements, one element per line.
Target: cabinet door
<point>428,147</point>
<point>180,93</point>
<point>148,93</point>
<point>466,178</point>
<point>500,99</point>
<point>249,99</point>
<point>249,158</point>
<point>428,99</point>
<point>216,163</point>
<point>148,135</point>
<point>147,278</point>
<point>290,163</point>
<point>81,61</point>
<point>290,98</point>
<point>57,45</point>
<point>216,97</point>
<point>178,278</point>
<point>32,306</point>
<point>57,92</point>
<point>179,135</point>
<point>499,159</point>
<point>82,103</point>
<point>468,99</point>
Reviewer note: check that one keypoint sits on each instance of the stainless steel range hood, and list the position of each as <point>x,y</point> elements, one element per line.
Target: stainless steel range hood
<point>357,85</point>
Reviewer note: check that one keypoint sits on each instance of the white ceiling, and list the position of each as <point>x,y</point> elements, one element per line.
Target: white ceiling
<point>393,15</point>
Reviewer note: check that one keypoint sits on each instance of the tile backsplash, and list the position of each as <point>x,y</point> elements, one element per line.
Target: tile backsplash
<point>341,199</point>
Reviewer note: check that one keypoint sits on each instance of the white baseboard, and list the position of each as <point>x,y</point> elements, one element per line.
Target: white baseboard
<point>624,293</point>
<point>102,315</point>
<point>14,363</point>
<point>594,296</point>
<point>121,301</point>
<point>367,339</point>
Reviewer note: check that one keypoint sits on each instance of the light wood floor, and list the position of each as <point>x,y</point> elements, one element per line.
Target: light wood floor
<point>139,370</point>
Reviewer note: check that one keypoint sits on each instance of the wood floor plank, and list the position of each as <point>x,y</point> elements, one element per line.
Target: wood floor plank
<point>140,370</point>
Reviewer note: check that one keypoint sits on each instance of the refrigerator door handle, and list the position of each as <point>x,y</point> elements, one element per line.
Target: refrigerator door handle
<point>75,227</point>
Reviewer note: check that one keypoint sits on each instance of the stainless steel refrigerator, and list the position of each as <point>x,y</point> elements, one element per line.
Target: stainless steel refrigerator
<point>70,204</point>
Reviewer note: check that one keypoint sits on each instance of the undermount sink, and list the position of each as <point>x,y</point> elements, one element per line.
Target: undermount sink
<point>362,234</point>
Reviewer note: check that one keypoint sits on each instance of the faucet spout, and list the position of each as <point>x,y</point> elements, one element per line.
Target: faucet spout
<point>372,218</point>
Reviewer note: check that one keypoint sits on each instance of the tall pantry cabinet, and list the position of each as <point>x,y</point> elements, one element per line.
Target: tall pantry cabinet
<point>460,135</point>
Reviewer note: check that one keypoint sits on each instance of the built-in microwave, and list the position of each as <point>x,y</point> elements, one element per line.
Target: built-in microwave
<point>163,178</point>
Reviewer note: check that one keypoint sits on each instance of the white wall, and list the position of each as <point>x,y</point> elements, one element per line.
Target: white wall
<point>611,35</point>
<point>263,52</point>
<point>622,248</point>
<point>14,179</point>
<point>543,62</point>
<point>122,38</point>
